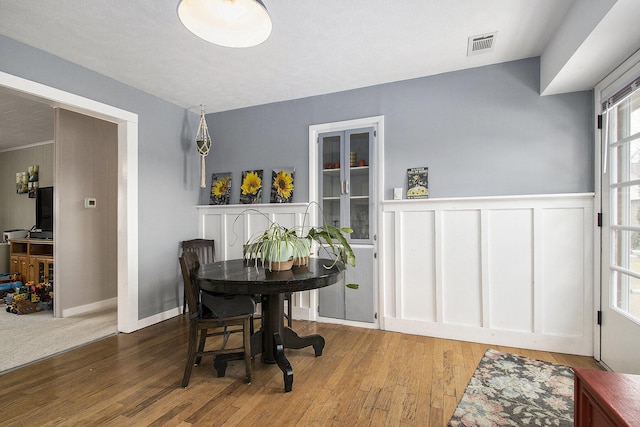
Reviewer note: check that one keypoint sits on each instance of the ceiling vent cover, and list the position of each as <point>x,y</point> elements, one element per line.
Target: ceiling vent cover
<point>481,44</point>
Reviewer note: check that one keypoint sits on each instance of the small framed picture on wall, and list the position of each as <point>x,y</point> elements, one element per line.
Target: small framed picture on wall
<point>418,183</point>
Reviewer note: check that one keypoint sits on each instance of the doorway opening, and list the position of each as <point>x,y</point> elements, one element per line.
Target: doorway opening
<point>127,186</point>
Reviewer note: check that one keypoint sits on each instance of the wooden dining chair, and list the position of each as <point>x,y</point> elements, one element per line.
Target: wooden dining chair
<point>214,315</point>
<point>206,250</point>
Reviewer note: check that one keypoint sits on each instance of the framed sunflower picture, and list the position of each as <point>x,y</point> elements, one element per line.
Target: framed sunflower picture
<point>251,188</point>
<point>282,185</point>
<point>220,188</point>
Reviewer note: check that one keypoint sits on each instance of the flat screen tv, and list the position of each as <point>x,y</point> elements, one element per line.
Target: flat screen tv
<point>44,209</point>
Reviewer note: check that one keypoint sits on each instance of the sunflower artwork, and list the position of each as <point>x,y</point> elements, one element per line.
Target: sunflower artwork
<point>282,185</point>
<point>251,188</point>
<point>220,189</point>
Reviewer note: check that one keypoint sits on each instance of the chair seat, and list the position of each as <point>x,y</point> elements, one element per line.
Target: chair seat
<point>222,306</point>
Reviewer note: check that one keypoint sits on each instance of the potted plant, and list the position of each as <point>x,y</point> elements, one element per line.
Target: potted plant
<point>279,248</point>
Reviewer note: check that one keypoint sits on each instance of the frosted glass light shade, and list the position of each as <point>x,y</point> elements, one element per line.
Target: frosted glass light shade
<point>231,23</point>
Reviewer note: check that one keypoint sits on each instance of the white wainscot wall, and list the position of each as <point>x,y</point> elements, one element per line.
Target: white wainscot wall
<point>513,271</point>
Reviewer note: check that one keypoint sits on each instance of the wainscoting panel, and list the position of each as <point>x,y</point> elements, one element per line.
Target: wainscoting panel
<point>417,299</point>
<point>461,267</point>
<point>562,265</point>
<point>514,271</point>
<point>509,269</point>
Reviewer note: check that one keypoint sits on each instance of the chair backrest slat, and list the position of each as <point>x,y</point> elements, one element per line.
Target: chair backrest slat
<point>205,248</point>
<point>189,265</point>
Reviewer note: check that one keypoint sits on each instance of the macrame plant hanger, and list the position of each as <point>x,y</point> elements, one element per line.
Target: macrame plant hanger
<point>203,142</point>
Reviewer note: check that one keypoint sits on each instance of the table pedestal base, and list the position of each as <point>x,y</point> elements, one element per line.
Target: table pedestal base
<point>288,339</point>
<point>271,350</point>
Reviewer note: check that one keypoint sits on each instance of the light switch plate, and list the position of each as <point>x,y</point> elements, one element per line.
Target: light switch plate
<point>397,194</point>
<point>89,202</point>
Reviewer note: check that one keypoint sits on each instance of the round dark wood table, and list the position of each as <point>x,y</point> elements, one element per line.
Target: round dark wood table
<point>242,277</point>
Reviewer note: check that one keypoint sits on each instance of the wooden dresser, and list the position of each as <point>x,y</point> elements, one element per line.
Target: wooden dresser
<point>605,398</point>
<point>32,259</point>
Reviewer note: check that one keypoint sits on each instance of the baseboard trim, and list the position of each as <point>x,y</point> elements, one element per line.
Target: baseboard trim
<point>94,306</point>
<point>578,345</point>
<point>157,318</point>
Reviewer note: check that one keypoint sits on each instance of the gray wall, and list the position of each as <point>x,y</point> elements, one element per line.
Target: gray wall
<point>168,167</point>
<point>88,150</point>
<point>482,132</point>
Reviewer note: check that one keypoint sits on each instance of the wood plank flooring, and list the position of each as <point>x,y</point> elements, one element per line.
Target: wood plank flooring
<point>364,378</point>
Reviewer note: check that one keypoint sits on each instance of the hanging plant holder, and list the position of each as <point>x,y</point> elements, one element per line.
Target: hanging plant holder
<point>203,142</point>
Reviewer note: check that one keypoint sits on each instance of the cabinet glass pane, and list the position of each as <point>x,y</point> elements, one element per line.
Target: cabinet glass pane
<point>359,185</point>
<point>331,179</point>
<point>331,152</point>
<point>331,210</point>
<point>359,149</point>
<point>359,218</point>
<point>359,182</point>
<point>331,183</point>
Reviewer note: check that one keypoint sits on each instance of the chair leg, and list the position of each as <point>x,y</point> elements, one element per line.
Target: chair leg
<point>246,339</point>
<point>225,337</point>
<point>203,338</point>
<point>289,309</point>
<point>191,355</point>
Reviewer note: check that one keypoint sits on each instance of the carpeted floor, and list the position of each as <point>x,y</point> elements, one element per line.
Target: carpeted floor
<point>510,390</point>
<point>27,338</point>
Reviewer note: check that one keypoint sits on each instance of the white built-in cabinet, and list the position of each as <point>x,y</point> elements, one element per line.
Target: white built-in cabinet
<point>346,165</point>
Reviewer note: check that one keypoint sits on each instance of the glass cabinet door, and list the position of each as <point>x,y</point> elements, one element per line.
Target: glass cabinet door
<point>346,196</point>
<point>358,183</point>
<point>346,182</point>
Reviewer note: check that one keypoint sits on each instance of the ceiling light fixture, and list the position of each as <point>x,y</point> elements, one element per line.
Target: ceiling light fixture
<point>230,23</point>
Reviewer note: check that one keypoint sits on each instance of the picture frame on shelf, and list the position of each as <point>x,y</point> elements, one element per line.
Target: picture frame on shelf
<point>282,185</point>
<point>220,188</point>
<point>251,188</point>
<point>418,183</point>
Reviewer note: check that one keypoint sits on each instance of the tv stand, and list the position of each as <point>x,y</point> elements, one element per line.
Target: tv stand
<point>32,259</point>
<point>41,235</point>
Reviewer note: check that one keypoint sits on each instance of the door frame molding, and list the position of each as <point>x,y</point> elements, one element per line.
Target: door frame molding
<point>127,221</point>
<point>377,122</point>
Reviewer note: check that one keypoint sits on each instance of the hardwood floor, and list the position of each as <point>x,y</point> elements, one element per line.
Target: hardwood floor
<point>364,377</point>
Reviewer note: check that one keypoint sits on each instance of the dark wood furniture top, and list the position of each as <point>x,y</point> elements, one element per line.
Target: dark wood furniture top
<point>604,398</point>
<point>248,277</point>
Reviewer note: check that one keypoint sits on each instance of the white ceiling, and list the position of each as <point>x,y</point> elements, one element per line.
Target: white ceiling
<point>316,47</point>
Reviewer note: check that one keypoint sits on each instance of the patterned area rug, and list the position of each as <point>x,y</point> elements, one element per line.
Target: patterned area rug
<point>510,390</point>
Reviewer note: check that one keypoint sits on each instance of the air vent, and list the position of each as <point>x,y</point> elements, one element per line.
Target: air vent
<point>481,44</point>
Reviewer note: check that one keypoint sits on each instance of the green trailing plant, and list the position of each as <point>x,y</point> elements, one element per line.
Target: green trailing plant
<point>333,241</point>
<point>278,242</point>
